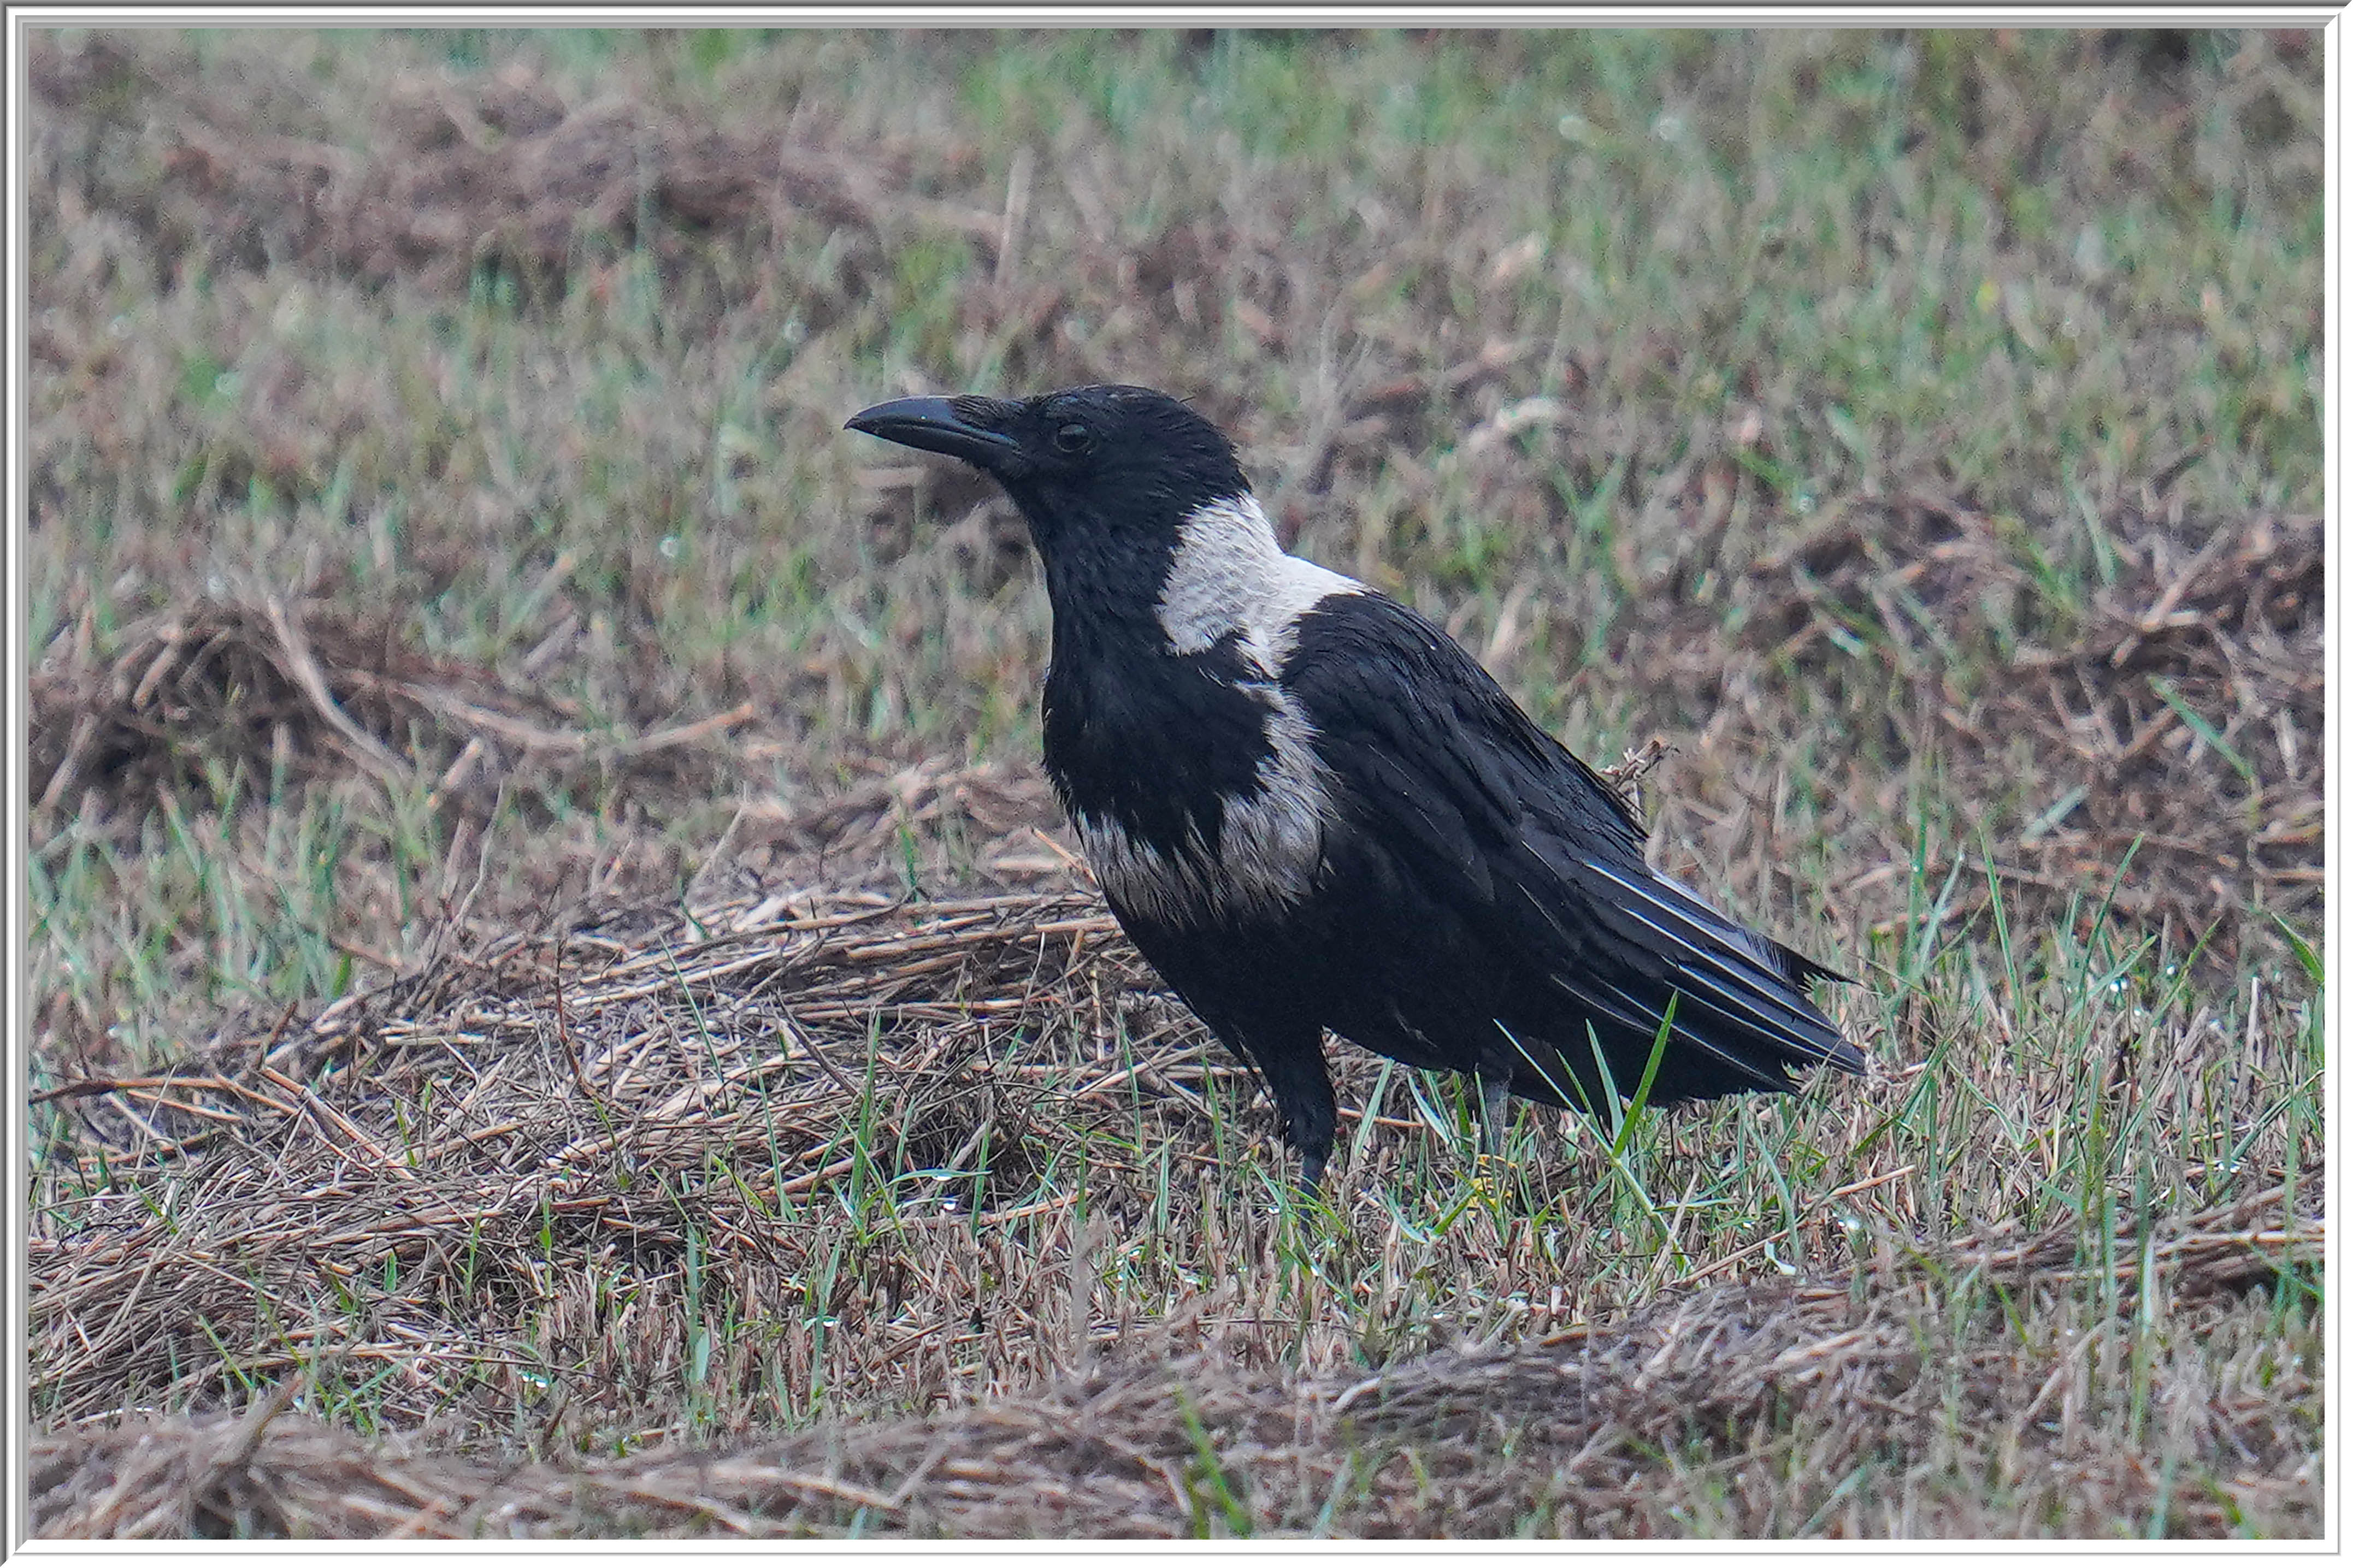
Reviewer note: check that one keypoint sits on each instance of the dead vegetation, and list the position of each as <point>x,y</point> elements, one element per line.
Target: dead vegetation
<point>2170,722</point>
<point>590,1080</point>
<point>2174,727</point>
<point>495,170</point>
<point>1763,1397</point>
<point>928,1157</point>
<point>268,689</point>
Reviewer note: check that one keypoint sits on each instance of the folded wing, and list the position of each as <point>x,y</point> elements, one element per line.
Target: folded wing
<point>1457,800</point>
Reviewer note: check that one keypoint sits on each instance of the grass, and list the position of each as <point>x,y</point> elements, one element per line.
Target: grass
<point>472,670</point>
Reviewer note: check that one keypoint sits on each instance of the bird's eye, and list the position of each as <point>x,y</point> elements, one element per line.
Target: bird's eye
<point>1072,439</point>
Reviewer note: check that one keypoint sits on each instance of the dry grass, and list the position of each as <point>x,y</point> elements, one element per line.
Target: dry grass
<point>799,1160</point>
<point>2182,713</point>
<point>1769,1408</point>
<point>562,1005</point>
<point>2169,720</point>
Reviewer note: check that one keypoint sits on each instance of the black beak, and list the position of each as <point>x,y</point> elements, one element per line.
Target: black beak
<point>934,425</point>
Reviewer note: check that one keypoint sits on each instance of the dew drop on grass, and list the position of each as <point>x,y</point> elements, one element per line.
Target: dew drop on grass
<point>671,548</point>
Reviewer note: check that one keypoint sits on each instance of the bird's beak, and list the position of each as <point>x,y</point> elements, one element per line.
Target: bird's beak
<point>952,426</point>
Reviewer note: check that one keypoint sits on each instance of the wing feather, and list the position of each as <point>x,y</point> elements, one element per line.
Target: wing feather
<point>1477,807</point>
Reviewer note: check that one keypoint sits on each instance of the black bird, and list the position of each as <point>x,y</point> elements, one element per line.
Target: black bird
<point>1311,810</point>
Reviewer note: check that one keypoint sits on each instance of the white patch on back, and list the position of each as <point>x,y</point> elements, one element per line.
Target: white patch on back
<point>1229,575</point>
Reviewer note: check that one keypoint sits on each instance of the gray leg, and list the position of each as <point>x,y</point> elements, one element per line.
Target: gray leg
<point>1495,1115</point>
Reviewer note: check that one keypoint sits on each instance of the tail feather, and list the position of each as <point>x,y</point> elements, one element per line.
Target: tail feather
<point>1754,983</point>
<point>1691,1028</point>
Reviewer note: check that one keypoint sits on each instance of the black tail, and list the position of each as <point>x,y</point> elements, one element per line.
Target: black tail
<point>1742,1018</point>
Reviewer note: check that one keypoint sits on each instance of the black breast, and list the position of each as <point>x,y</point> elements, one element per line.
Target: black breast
<point>1153,743</point>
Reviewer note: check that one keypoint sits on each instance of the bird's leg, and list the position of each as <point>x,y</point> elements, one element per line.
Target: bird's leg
<point>1292,1062</point>
<point>1495,1115</point>
<point>1309,1128</point>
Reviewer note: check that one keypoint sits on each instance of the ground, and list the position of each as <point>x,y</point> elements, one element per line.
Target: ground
<point>561,1005</point>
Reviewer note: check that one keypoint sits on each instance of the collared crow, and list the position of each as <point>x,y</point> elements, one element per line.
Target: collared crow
<point>1311,810</point>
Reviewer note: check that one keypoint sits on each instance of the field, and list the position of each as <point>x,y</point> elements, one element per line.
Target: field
<point>563,1005</point>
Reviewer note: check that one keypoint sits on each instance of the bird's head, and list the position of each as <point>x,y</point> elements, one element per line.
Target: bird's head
<point>1103,473</point>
